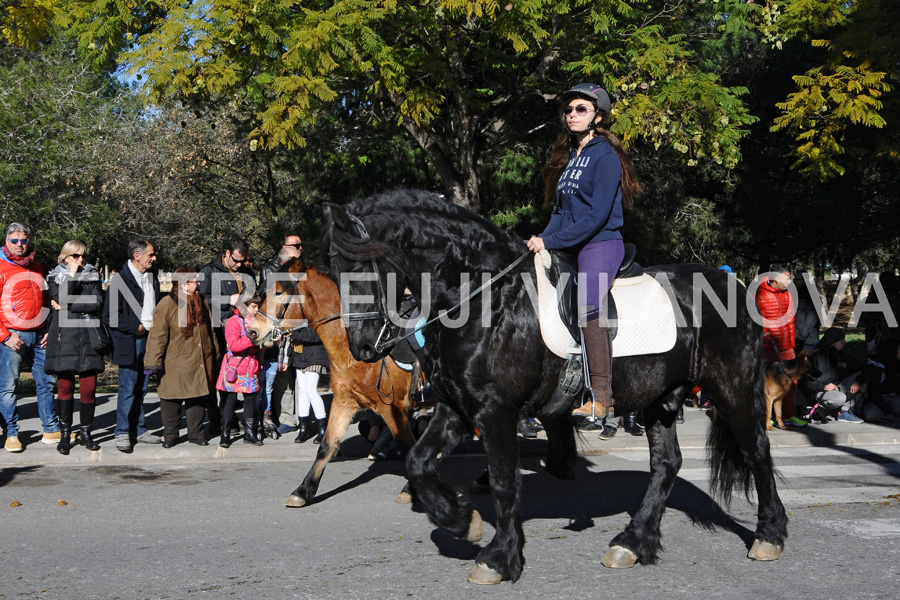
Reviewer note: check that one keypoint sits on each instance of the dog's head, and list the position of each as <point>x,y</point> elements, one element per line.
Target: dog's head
<point>801,367</point>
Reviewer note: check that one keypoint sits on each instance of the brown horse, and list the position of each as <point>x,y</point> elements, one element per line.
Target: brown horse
<point>382,386</point>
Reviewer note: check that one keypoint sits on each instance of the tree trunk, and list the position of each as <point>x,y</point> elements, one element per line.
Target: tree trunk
<point>460,184</point>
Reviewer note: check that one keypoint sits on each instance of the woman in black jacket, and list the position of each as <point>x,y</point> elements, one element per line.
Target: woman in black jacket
<point>77,302</point>
<point>310,359</point>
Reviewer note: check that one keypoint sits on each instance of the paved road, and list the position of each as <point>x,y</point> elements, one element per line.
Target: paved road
<point>207,525</point>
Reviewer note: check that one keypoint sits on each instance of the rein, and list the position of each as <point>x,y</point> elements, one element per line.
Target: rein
<point>381,345</point>
<point>393,342</point>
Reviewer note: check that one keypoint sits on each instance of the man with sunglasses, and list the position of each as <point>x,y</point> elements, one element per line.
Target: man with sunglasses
<point>222,281</point>
<point>23,313</point>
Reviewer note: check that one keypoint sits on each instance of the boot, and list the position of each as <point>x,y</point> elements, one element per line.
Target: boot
<point>225,439</point>
<point>632,426</point>
<point>598,353</point>
<point>303,432</point>
<point>64,411</point>
<point>251,426</point>
<point>321,434</point>
<point>86,417</point>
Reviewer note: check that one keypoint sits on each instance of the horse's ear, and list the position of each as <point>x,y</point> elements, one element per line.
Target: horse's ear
<point>337,215</point>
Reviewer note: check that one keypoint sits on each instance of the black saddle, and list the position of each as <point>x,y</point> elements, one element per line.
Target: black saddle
<point>564,268</point>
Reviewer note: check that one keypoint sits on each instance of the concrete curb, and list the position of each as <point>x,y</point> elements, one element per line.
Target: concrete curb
<point>691,435</point>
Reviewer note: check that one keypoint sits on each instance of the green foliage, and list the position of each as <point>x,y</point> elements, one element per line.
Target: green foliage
<point>825,106</point>
<point>848,90</point>
<point>60,121</point>
<point>26,23</point>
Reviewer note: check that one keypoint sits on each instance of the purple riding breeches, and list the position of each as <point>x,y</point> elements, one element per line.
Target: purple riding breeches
<point>598,263</point>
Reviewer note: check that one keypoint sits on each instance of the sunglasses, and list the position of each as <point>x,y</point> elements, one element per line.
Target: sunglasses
<point>580,110</point>
<point>240,261</point>
<point>77,256</point>
<point>297,246</point>
<point>15,241</point>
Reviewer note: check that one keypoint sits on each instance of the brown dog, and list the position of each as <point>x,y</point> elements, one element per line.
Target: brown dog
<point>779,377</point>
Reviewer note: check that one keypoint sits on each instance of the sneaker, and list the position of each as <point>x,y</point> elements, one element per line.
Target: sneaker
<point>588,425</point>
<point>636,431</point>
<point>268,423</point>
<point>285,428</point>
<point>13,444</point>
<point>148,438</point>
<point>795,422</point>
<point>123,444</point>
<point>608,433</point>
<point>51,438</point>
<point>848,417</point>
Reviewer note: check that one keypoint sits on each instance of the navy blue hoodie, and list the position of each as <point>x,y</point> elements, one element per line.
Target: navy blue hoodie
<point>588,199</point>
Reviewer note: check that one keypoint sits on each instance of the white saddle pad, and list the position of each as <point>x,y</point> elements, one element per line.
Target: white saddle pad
<point>646,318</point>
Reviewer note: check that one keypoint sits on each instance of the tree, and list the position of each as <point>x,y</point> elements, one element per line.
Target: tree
<point>467,80</point>
<point>63,126</point>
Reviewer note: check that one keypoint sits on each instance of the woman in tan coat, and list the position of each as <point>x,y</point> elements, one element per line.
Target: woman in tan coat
<point>182,349</point>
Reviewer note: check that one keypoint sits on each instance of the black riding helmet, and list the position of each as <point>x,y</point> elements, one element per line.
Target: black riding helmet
<point>589,90</point>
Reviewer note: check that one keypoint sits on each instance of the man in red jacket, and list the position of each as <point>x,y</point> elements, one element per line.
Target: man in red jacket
<point>23,312</point>
<point>776,307</point>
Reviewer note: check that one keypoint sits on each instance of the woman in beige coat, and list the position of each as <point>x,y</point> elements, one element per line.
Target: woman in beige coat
<point>181,348</point>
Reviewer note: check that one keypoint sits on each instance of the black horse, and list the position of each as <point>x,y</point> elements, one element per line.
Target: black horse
<point>488,373</point>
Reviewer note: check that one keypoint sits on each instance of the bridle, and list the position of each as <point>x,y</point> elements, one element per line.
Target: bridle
<point>277,332</point>
<point>389,337</point>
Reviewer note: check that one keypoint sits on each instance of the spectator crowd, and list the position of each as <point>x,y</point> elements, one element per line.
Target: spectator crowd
<point>193,340</point>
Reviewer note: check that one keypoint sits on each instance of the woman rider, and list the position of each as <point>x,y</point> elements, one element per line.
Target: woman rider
<point>589,179</point>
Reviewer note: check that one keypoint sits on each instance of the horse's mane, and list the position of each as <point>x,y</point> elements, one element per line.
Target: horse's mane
<point>423,220</point>
<point>312,265</point>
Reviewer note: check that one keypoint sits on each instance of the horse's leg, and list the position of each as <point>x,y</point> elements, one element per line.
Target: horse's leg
<point>445,506</point>
<point>561,447</point>
<point>395,418</point>
<point>739,451</point>
<point>503,557</point>
<point>341,414</point>
<point>640,541</point>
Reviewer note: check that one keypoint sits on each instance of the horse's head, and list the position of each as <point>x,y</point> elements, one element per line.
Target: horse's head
<point>281,309</point>
<point>370,285</point>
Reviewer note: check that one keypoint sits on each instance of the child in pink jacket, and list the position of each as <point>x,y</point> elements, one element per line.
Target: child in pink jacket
<point>240,374</point>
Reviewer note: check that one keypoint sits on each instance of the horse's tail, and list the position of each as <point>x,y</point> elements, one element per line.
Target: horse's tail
<point>730,469</point>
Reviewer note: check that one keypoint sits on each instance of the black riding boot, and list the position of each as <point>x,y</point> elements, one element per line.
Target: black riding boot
<point>64,411</point>
<point>631,424</point>
<point>86,419</point>
<point>249,432</point>
<point>303,431</point>
<point>321,435</point>
<point>251,423</point>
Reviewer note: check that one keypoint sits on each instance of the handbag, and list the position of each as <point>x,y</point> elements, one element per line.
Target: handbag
<point>231,372</point>
<point>99,335</point>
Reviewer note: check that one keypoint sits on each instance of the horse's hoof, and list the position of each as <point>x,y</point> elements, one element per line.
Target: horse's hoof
<point>481,574</point>
<point>764,551</point>
<point>295,501</point>
<point>404,498</point>
<point>475,533</point>
<point>618,557</point>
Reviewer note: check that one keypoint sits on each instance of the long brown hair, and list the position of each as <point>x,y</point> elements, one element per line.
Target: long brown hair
<point>196,314</point>
<point>562,153</point>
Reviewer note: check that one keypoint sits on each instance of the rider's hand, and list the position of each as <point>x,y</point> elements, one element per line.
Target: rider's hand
<point>536,244</point>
